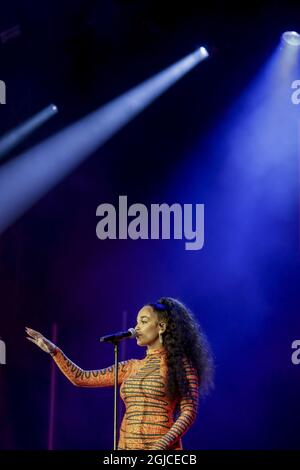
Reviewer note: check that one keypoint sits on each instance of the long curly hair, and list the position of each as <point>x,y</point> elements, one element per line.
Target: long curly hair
<point>184,339</point>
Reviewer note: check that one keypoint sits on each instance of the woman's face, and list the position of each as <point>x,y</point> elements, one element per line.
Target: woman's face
<point>148,328</point>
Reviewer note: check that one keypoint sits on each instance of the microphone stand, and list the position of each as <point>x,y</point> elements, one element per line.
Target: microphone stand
<point>116,351</point>
<point>115,340</point>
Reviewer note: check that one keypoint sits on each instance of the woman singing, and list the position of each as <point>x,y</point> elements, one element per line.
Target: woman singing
<point>161,391</point>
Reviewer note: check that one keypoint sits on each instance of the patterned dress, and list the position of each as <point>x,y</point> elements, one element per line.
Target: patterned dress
<point>149,421</point>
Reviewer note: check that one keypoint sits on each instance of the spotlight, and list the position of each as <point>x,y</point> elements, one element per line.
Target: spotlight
<point>202,52</point>
<point>291,38</point>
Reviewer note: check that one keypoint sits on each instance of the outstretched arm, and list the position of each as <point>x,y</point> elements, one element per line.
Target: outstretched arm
<point>76,375</point>
<point>90,378</point>
<point>187,413</point>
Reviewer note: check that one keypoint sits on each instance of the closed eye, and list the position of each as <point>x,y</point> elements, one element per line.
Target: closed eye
<point>142,320</point>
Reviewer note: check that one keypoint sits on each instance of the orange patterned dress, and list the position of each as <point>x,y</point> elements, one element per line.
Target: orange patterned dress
<point>149,421</point>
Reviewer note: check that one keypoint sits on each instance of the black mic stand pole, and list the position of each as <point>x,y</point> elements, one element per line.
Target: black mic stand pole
<point>115,340</point>
<point>116,350</point>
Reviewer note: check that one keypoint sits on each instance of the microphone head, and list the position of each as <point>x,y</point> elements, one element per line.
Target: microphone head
<point>133,332</point>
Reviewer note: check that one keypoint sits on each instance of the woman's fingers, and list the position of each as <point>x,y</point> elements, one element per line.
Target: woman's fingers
<point>33,333</point>
<point>39,340</point>
<point>30,331</point>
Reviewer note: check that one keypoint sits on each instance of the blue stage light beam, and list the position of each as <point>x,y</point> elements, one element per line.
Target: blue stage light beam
<point>24,180</point>
<point>16,136</point>
<point>249,180</point>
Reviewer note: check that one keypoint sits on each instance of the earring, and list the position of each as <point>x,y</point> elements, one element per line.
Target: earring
<point>160,338</point>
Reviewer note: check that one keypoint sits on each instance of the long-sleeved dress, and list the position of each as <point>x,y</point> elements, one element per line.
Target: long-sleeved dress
<point>149,421</point>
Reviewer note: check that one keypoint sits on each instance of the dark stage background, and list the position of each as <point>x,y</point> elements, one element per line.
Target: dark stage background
<point>243,286</point>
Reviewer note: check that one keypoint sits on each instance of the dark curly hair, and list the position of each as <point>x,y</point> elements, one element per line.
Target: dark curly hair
<point>184,339</point>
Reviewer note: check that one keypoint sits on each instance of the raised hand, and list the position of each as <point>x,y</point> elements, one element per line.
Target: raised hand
<point>38,339</point>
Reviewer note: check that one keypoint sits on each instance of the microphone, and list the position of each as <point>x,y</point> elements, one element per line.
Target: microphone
<point>131,333</point>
